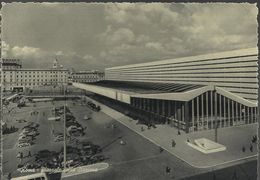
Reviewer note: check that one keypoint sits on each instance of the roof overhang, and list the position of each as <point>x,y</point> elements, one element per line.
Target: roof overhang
<point>178,96</point>
<point>235,97</point>
<point>175,96</point>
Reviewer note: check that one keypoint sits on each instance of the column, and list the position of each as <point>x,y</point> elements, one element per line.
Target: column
<point>211,109</point>
<point>248,116</point>
<point>228,112</point>
<point>182,112</point>
<point>233,113</point>
<point>175,109</point>
<point>236,113</point>
<point>220,111</point>
<point>244,112</point>
<point>198,111</point>
<point>192,113</point>
<point>255,114</point>
<point>225,116</point>
<point>158,106</point>
<point>186,116</point>
<point>202,109</point>
<point>240,113</point>
<point>251,115</point>
<point>179,115</point>
<point>216,110</point>
<point>207,109</point>
<point>163,108</point>
<point>147,105</point>
<point>169,108</point>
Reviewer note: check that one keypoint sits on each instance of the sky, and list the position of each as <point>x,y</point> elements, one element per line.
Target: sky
<point>87,36</point>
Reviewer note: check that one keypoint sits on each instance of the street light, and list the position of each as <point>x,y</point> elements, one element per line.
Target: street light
<point>64,129</point>
<point>1,117</point>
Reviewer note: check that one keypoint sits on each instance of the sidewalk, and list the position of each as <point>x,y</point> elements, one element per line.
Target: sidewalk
<point>233,138</point>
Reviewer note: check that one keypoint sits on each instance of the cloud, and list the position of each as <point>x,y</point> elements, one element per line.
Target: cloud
<point>154,46</point>
<point>5,49</point>
<point>111,34</point>
<point>118,36</point>
<point>27,52</point>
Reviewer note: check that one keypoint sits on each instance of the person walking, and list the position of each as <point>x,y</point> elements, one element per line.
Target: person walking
<point>29,154</point>
<point>21,157</point>
<point>243,149</point>
<point>167,170</point>
<point>160,149</point>
<point>9,176</point>
<point>251,148</point>
<point>173,143</point>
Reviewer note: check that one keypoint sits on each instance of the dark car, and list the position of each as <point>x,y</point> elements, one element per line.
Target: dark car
<point>45,154</point>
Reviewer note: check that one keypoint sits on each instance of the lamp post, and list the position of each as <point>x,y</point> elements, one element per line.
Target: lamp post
<point>64,128</point>
<point>1,117</point>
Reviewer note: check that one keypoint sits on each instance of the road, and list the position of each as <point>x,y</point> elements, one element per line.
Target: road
<point>137,159</point>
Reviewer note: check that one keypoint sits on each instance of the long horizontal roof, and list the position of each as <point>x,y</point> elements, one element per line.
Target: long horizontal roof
<point>167,91</point>
<point>219,55</point>
<point>147,87</point>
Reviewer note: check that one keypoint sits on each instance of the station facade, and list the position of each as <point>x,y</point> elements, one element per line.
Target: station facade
<point>192,93</point>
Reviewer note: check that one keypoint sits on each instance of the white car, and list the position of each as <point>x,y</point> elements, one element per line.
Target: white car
<point>86,117</point>
<point>23,145</point>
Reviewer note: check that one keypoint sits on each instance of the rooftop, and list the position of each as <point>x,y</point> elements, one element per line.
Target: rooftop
<point>146,87</point>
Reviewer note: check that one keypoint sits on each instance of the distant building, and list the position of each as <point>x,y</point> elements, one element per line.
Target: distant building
<point>87,76</point>
<point>9,64</point>
<point>16,78</point>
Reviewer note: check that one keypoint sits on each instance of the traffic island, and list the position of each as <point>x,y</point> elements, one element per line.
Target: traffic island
<point>206,146</point>
<point>73,171</point>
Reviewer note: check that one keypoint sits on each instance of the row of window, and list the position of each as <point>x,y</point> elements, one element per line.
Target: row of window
<point>36,72</point>
<point>33,76</point>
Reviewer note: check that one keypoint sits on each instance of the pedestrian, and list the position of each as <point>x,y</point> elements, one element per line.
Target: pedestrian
<point>142,128</point>
<point>251,148</point>
<point>179,133</point>
<point>243,149</point>
<point>173,143</point>
<point>29,154</point>
<point>188,140</point>
<point>168,170</point>
<point>9,176</point>
<point>160,149</point>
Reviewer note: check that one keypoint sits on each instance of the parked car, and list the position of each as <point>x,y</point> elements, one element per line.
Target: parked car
<point>58,138</point>
<point>24,144</point>
<point>86,117</point>
<point>44,154</point>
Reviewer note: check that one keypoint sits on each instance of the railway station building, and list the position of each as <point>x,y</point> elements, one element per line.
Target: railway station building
<point>190,93</point>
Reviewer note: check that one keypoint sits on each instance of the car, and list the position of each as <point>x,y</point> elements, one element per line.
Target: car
<point>97,158</point>
<point>21,120</point>
<point>45,153</point>
<point>86,117</point>
<point>58,138</point>
<point>24,144</point>
<point>33,133</point>
<point>26,138</point>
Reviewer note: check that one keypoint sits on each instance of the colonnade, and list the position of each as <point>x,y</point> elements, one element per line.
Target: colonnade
<point>207,111</point>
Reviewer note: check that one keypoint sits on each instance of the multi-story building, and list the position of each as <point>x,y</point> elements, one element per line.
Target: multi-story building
<point>17,78</point>
<point>87,76</point>
<point>192,93</point>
